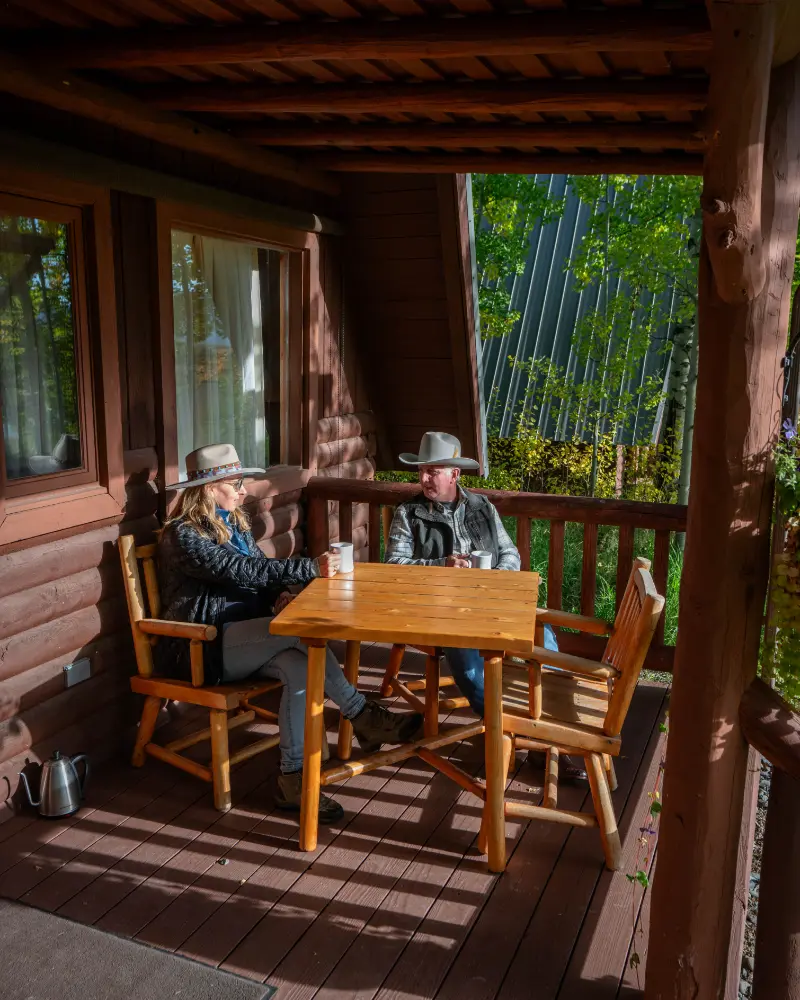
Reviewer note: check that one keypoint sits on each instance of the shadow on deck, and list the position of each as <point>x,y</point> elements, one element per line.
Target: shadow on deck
<point>394,903</point>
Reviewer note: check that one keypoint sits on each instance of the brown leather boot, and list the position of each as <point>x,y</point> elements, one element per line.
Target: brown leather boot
<point>375,725</point>
<point>288,798</point>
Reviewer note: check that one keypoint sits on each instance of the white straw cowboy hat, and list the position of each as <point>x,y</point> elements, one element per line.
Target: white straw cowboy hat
<point>210,464</point>
<point>438,448</point>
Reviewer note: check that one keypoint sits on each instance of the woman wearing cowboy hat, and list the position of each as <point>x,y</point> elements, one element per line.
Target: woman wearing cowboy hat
<point>212,571</point>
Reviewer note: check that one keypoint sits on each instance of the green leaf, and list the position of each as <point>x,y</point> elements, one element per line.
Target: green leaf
<point>655,808</point>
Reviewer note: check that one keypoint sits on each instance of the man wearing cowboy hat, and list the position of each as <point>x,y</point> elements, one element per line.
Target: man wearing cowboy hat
<point>441,527</point>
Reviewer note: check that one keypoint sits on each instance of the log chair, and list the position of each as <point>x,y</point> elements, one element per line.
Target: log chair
<point>580,708</point>
<point>229,705</point>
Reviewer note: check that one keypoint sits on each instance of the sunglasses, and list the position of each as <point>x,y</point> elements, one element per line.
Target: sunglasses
<point>237,484</point>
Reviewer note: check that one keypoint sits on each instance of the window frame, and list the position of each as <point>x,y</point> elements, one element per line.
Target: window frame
<point>297,247</point>
<point>87,471</point>
<point>42,505</point>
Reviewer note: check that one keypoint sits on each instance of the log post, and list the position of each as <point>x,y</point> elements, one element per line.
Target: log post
<point>727,547</point>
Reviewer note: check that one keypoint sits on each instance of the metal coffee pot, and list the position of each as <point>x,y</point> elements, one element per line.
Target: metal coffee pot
<point>60,788</point>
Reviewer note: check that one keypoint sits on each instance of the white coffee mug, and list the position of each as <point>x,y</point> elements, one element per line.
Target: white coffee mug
<point>481,560</point>
<point>345,550</point>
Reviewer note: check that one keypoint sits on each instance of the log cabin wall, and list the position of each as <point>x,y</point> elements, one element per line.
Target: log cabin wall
<point>409,275</point>
<point>62,600</point>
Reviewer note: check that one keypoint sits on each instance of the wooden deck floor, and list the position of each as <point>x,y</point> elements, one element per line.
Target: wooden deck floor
<point>395,902</point>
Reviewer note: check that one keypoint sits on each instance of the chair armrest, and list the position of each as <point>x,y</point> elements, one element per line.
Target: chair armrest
<point>180,630</point>
<point>583,623</point>
<point>575,664</point>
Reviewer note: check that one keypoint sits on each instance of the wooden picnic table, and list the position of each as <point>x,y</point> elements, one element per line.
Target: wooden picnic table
<point>432,606</point>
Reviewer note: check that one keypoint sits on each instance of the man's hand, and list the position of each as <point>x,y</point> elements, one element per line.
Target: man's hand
<point>459,562</point>
<point>329,564</point>
<point>283,601</point>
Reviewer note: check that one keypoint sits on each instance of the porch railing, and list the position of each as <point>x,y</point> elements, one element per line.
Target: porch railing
<point>331,512</point>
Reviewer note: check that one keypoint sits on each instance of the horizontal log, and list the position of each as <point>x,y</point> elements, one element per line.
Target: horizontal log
<point>410,38</point>
<point>79,551</point>
<point>50,601</point>
<point>476,135</point>
<point>73,95</point>
<point>276,482</point>
<point>660,658</point>
<point>40,723</point>
<point>333,453</point>
<point>360,471</point>
<point>542,506</point>
<point>680,164</point>
<point>45,642</point>
<point>771,726</point>
<point>289,543</point>
<point>345,426</point>
<point>667,94</point>
<point>277,521</point>
<point>41,683</point>
<point>258,508</point>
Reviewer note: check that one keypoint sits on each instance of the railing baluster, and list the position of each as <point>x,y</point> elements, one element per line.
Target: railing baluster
<point>374,533</point>
<point>624,559</point>
<point>387,513</point>
<point>589,569</point>
<point>345,521</point>
<point>318,528</point>
<point>555,566</point>
<point>524,542</point>
<point>660,575</point>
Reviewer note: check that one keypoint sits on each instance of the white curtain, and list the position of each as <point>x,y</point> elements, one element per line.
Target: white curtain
<point>219,365</point>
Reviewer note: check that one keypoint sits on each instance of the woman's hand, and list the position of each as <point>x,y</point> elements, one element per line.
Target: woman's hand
<point>283,601</point>
<point>329,564</point>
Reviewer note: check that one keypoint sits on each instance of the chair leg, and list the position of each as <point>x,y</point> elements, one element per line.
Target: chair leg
<point>604,810</point>
<point>608,762</point>
<point>431,695</point>
<point>147,725</point>
<point>551,779</point>
<point>351,657</point>
<point>392,670</point>
<point>220,760</point>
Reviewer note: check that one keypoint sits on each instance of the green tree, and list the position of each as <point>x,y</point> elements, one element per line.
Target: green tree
<point>508,207</point>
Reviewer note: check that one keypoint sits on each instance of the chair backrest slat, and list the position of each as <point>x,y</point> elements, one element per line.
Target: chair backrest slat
<point>627,647</point>
<point>136,604</point>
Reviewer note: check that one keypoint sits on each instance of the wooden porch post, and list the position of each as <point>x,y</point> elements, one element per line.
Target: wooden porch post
<point>743,321</point>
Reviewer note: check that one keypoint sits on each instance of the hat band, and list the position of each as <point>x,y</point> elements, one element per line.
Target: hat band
<point>215,470</point>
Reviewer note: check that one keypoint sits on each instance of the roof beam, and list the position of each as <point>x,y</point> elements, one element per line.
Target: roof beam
<point>653,94</point>
<point>475,136</point>
<point>88,100</point>
<point>418,38</point>
<point>509,163</point>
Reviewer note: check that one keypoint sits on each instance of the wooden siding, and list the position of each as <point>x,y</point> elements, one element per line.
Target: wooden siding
<point>405,276</point>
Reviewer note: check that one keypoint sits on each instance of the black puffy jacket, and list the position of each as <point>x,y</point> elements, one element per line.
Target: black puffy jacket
<point>197,576</point>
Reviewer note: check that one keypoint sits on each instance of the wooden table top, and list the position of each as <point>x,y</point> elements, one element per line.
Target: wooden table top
<point>418,605</point>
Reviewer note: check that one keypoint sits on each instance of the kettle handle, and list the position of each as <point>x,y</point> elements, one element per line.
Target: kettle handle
<point>78,759</point>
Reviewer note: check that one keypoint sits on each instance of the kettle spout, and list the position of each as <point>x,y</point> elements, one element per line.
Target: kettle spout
<point>28,789</point>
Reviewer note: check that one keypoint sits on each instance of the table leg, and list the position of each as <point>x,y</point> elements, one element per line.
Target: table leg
<point>312,746</point>
<point>432,695</point>
<point>351,658</point>
<point>495,771</point>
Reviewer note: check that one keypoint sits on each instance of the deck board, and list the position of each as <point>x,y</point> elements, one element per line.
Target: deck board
<point>395,902</point>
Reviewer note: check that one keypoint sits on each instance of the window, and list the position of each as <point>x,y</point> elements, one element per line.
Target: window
<point>229,317</point>
<point>43,348</point>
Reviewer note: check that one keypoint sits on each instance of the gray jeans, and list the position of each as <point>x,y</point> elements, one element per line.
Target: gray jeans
<point>250,652</point>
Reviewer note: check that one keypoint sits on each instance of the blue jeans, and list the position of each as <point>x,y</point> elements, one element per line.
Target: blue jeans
<point>466,666</point>
<point>249,652</point>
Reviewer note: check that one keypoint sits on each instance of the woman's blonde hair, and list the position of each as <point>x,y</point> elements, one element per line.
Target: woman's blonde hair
<point>197,507</point>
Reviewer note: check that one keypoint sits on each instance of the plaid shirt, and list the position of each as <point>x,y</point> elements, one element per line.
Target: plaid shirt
<point>400,549</point>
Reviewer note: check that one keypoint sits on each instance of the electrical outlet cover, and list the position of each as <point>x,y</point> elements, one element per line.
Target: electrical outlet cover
<point>80,670</point>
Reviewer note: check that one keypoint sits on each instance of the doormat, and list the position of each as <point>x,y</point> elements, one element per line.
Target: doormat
<point>45,957</point>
